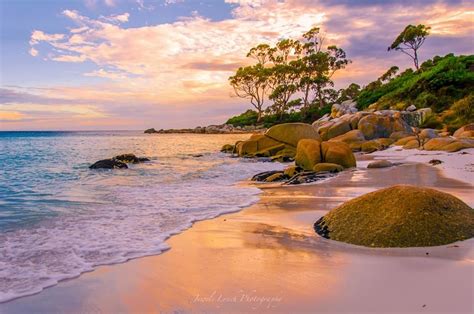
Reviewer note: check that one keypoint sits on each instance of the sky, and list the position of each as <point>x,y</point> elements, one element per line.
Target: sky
<point>136,64</point>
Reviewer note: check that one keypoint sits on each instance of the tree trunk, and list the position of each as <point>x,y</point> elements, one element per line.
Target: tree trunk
<point>259,116</point>
<point>415,59</point>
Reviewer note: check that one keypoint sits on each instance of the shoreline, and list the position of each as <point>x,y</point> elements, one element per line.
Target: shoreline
<point>282,219</point>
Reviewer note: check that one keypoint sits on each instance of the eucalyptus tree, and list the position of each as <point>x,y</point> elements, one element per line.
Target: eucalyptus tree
<point>252,82</point>
<point>410,40</point>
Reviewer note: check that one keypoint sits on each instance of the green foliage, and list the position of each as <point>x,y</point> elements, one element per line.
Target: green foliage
<point>410,40</point>
<point>460,113</point>
<point>438,84</point>
<point>249,117</point>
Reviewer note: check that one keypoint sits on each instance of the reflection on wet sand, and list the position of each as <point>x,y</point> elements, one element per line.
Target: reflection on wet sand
<point>267,258</point>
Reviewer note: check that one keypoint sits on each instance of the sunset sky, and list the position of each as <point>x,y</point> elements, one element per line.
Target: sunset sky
<point>135,64</point>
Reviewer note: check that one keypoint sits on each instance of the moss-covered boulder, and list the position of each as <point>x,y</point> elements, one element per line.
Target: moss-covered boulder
<point>258,143</point>
<point>338,153</point>
<point>438,143</point>
<point>292,133</point>
<point>371,146</point>
<point>399,135</point>
<point>325,166</point>
<point>399,216</point>
<point>377,125</point>
<point>288,153</point>
<point>308,154</point>
<point>227,148</point>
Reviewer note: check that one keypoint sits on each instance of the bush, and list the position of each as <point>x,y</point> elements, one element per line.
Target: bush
<point>249,117</point>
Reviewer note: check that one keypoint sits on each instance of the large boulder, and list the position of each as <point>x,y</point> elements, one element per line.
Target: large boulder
<point>338,153</point>
<point>258,144</point>
<point>465,131</point>
<point>399,216</point>
<point>338,128</point>
<point>353,136</point>
<point>438,143</point>
<point>379,125</point>
<point>428,133</point>
<point>292,133</point>
<point>308,154</point>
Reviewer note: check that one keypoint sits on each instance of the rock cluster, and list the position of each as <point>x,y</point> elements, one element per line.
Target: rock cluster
<point>118,162</point>
<point>211,129</point>
<point>399,216</point>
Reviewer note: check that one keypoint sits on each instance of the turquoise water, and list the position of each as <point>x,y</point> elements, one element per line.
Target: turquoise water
<point>58,218</point>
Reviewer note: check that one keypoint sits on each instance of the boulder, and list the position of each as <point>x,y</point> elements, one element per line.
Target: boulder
<point>291,133</point>
<point>258,144</point>
<point>377,125</point>
<point>380,164</point>
<point>227,148</point>
<point>412,144</point>
<point>399,216</point>
<point>438,143</point>
<point>323,129</point>
<point>371,146</point>
<point>109,164</point>
<point>262,176</point>
<point>411,108</point>
<point>416,118</point>
<point>346,107</point>
<point>288,153</point>
<point>465,131</point>
<point>458,145</point>
<point>428,133</point>
<point>325,166</point>
<point>400,134</point>
<point>308,154</point>
<point>338,153</point>
<point>404,140</point>
<point>354,136</point>
<point>150,131</point>
<point>338,128</point>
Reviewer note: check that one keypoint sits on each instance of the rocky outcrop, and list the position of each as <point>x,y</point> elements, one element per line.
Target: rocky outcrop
<point>118,162</point>
<point>416,118</point>
<point>399,216</point>
<point>308,154</point>
<point>380,125</point>
<point>211,129</point>
<point>108,164</point>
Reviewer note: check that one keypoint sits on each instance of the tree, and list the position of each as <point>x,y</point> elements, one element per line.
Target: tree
<point>389,75</point>
<point>317,66</point>
<point>284,82</point>
<point>261,53</point>
<point>252,82</point>
<point>410,40</point>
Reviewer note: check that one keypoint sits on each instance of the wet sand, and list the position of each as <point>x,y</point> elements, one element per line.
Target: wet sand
<point>267,258</point>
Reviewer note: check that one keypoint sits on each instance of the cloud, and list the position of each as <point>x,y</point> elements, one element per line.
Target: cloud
<point>177,66</point>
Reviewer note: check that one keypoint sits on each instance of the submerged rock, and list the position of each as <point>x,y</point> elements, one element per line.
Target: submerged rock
<point>326,166</point>
<point>260,177</point>
<point>399,216</point>
<point>109,164</point>
<point>380,164</point>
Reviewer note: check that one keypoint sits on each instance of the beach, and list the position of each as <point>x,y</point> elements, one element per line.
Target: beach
<point>267,258</point>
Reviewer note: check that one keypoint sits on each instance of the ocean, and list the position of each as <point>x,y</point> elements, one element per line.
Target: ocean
<point>59,219</point>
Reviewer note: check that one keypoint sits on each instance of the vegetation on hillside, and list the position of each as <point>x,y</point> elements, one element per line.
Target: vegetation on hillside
<point>297,75</point>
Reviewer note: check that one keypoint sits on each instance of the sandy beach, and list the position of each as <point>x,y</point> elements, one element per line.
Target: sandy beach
<point>267,258</point>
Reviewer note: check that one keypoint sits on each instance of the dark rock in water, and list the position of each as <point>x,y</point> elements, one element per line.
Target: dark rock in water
<point>150,131</point>
<point>308,177</point>
<point>435,162</point>
<point>198,155</point>
<point>109,164</point>
<point>130,158</point>
<point>260,177</point>
<point>321,228</point>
